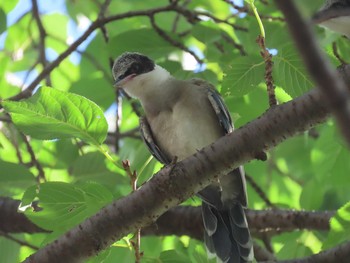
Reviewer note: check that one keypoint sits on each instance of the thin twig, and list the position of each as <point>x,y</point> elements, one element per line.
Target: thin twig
<point>259,191</point>
<point>177,17</point>
<point>172,41</point>
<point>337,55</point>
<point>218,20</point>
<point>133,180</point>
<point>42,37</point>
<point>18,241</point>
<point>266,239</point>
<point>246,10</point>
<point>41,173</point>
<point>14,141</point>
<point>101,14</point>
<point>229,40</point>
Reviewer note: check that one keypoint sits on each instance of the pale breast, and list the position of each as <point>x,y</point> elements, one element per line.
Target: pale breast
<point>191,125</point>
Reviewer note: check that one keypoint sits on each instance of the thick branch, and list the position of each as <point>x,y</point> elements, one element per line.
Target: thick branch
<point>334,90</point>
<point>186,220</point>
<point>13,222</point>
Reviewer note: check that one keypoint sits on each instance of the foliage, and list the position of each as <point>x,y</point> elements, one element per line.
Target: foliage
<point>67,128</point>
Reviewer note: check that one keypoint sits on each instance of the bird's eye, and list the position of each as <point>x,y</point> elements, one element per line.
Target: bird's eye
<point>136,68</point>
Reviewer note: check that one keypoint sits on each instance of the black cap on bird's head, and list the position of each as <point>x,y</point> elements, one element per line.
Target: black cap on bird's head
<point>129,65</point>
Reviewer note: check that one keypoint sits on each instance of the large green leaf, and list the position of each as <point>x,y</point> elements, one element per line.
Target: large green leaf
<point>143,40</point>
<point>8,5</point>
<point>289,72</point>
<point>207,32</point>
<point>14,178</point>
<point>243,76</point>
<point>65,205</point>
<point>92,167</point>
<point>173,256</point>
<point>52,114</point>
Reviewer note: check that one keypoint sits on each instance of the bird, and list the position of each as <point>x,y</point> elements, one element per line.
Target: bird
<point>335,15</point>
<point>180,118</point>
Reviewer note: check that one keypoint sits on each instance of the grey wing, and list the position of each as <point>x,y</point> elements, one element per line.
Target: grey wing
<point>152,146</point>
<point>217,103</point>
<point>220,110</point>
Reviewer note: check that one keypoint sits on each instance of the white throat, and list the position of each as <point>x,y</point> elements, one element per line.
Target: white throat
<point>146,84</point>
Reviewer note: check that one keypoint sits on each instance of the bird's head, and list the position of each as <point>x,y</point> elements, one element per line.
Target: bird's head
<point>137,74</point>
<point>130,65</point>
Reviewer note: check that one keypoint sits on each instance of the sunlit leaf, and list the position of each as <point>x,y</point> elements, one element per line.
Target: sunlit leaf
<point>14,178</point>
<point>340,227</point>
<point>142,40</point>
<point>52,114</point>
<point>243,75</point>
<point>65,205</point>
<point>289,72</point>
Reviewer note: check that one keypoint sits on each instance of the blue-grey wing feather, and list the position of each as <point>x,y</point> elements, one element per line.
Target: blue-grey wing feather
<point>217,103</point>
<point>147,136</point>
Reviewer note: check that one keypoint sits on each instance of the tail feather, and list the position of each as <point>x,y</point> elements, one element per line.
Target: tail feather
<point>226,233</point>
<point>211,220</point>
<point>240,232</point>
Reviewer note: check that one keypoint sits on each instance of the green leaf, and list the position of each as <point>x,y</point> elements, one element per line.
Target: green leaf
<point>92,167</point>
<point>14,178</point>
<point>65,205</point>
<point>142,40</point>
<point>3,24</point>
<point>289,72</point>
<point>86,8</point>
<point>8,5</point>
<point>52,114</point>
<point>243,76</point>
<point>206,31</point>
<point>172,256</point>
<point>293,247</point>
<point>55,25</point>
<point>340,227</point>
<point>10,250</point>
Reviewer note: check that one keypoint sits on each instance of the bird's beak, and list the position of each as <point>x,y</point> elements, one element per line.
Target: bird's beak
<point>117,83</point>
<point>121,80</point>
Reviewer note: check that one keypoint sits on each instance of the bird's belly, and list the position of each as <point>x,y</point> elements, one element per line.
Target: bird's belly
<point>339,24</point>
<point>183,133</point>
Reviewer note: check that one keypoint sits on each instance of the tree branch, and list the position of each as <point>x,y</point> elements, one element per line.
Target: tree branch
<point>187,220</point>
<point>334,90</point>
<point>13,222</point>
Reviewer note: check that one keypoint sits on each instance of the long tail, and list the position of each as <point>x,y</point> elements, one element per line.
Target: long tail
<point>227,234</point>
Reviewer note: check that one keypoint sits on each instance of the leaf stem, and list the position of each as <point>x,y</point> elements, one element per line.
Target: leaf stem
<point>108,156</point>
<point>257,16</point>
